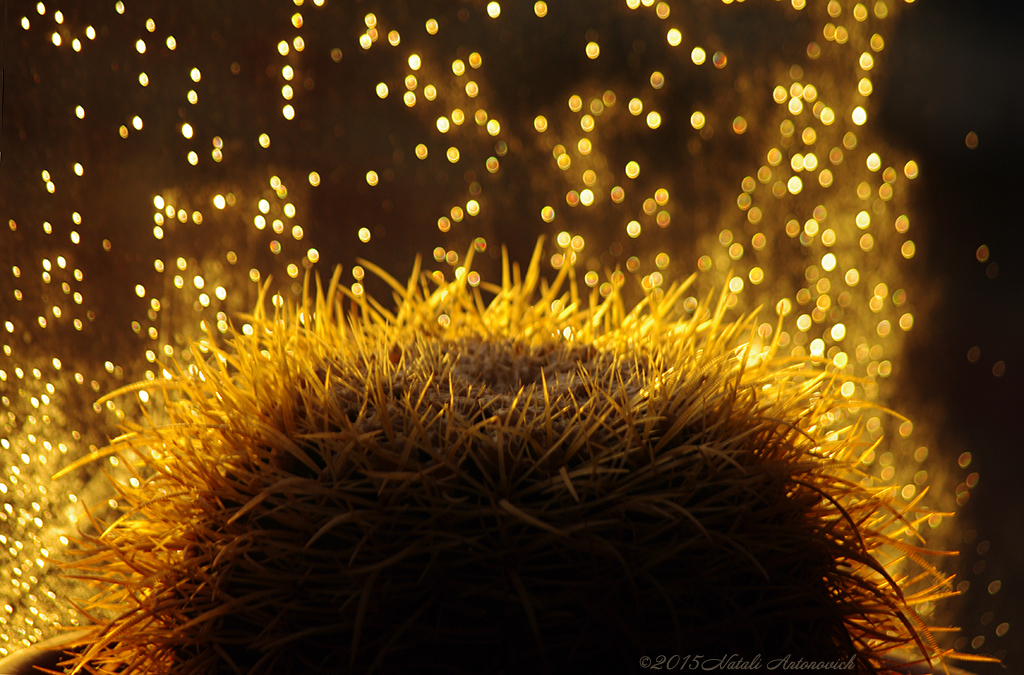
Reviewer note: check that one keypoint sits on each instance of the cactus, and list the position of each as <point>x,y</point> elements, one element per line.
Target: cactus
<point>532,481</point>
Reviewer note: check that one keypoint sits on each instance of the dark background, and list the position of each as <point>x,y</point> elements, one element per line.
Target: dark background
<point>954,68</point>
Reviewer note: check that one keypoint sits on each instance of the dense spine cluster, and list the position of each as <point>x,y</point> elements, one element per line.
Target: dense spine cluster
<point>530,481</point>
